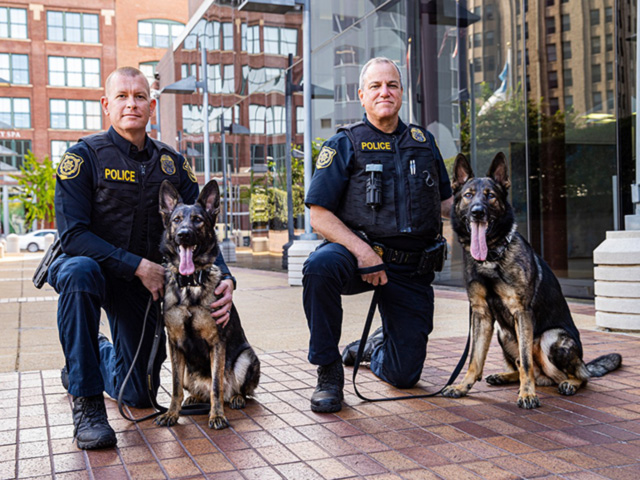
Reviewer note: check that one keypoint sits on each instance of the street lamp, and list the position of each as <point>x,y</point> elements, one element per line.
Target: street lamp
<point>228,246</point>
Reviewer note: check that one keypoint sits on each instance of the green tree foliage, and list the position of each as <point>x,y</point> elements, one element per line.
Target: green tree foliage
<point>37,182</point>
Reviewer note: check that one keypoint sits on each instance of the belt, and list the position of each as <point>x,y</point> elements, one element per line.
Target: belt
<point>399,257</point>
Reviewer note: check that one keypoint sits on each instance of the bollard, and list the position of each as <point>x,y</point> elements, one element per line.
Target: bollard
<point>13,243</point>
<point>49,238</point>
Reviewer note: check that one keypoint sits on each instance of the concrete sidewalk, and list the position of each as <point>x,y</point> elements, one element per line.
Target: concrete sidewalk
<point>594,434</point>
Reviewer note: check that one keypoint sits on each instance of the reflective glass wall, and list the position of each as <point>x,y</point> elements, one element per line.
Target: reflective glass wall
<point>549,83</point>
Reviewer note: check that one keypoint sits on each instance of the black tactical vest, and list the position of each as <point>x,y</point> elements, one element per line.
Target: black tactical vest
<point>410,183</point>
<point>125,195</point>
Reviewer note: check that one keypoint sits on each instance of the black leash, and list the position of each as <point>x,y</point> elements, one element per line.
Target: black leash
<point>363,340</point>
<point>194,409</point>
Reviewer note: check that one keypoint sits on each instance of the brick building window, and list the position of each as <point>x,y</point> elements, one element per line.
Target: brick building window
<point>608,41</point>
<point>567,77</point>
<point>15,68</point>
<point>74,72</point>
<point>609,70</point>
<point>75,114</point>
<point>550,23</point>
<point>596,73</point>
<point>552,54</point>
<point>280,41</point>
<point>566,50</point>
<point>58,147</point>
<point>568,102</point>
<point>595,16</point>
<point>15,112</point>
<point>13,22</point>
<point>595,44</point>
<point>597,101</point>
<point>149,70</point>
<point>73,27</point>
<point>250,38</point>
<point>566,23</point>
<point>20,147</point>
<point>158,33</point>
<point>553,79</point>
<point>227,36</point>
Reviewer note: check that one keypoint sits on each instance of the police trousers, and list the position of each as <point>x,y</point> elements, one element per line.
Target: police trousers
<point>406,305</point>
<point>95,367</point>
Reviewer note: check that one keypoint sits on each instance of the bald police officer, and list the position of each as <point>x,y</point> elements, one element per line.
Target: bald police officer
<point>107,213</point>
<point>377,196</point>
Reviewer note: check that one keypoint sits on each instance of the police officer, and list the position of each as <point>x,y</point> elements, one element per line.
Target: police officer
<point>377,196</point>
<point>106,203</point>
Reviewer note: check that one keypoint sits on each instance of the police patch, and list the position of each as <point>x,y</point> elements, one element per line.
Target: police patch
<point>69,166</point>
<point>167,165</point>
<point>417,135</point>
<point>117,175</point>
<point>187,166</point>
<point>325,157</point>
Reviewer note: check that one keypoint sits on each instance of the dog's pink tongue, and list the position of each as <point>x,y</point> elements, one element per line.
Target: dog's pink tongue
<point>186,261</point>
<point>479,241</point>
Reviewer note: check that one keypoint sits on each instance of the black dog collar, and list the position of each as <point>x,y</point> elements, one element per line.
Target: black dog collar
<point>495,253</point>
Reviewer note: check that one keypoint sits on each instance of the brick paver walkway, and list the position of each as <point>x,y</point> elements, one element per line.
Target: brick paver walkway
<point>594,434</point>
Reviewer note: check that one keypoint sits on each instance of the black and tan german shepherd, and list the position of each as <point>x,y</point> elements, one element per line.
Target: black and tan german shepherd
<point>509,284</point>
<point>213,363</point>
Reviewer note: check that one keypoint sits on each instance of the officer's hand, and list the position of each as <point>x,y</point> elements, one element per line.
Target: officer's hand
<point>221,308</point>
<point>152,277</point>
<point>372,259</point>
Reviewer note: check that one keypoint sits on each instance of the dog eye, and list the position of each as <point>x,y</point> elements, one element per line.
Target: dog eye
<point>197,218</point>
<point>176,219</point>
<point>468,195</point>
<point>491,195</point>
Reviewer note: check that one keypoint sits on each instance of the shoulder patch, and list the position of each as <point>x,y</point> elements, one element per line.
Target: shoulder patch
<point>187,166</point>
<point>325,157</point>
<point>69,166</point>
<point>167,164</point>
<point>418,135</point>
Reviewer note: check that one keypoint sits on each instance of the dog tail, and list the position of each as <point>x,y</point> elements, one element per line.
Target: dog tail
<point>604,364</point>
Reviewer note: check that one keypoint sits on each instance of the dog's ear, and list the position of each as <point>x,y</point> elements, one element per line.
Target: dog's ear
<point>169,198</point>
<point>461,172</point>
<point>498,170</point>
<point>209,197</point>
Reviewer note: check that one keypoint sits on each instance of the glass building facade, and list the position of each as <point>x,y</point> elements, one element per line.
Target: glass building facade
<point>551,83</point>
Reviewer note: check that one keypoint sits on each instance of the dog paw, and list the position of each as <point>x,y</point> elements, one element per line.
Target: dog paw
<point>495,379</point>
<point>168,419</point>
<point>454,392</point>
<point>566,388</point>
<point>193,400</point>
<point>218,423</point>
<point>237,402</point>
<point>528,401</point>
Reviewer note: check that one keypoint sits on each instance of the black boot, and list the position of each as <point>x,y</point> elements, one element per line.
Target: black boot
<point>92,430</point>
<point>327,397</point>
<point>350,351</point>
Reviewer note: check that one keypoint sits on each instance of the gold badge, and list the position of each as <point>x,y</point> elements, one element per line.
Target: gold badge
<point>167,165</point>
<point>325,157</point>
<point>417,135</point>
<point>69,166</point>
<point>187,166</point>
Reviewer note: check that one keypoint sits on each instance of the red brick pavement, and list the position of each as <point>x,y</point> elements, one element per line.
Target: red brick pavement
<point>594,434</point>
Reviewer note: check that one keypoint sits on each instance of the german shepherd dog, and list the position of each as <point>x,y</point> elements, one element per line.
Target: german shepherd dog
<point>215,364</point>
<point>509,284</point>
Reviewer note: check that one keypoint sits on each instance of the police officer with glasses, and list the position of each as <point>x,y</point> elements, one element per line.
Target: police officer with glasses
<point>377,196</point>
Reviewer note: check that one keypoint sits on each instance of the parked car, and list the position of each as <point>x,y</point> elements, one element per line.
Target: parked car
<point>34,241</point>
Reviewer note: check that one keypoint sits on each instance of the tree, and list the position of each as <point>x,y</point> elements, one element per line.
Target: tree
<point>37,182</point>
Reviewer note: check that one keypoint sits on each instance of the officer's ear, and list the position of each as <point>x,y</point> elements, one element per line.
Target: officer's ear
<point>169,199</point>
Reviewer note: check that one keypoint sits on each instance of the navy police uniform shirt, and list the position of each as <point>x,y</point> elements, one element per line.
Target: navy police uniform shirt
<point>74,200</point>
<point>332,175</point>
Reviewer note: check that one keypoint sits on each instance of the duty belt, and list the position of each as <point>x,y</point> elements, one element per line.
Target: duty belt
<point>399,257</point>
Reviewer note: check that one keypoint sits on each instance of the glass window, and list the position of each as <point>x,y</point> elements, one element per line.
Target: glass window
<point>488,12</point>
<point>568,77</point>
<point>552,54</point>
<point>489,38</point>
<point>227,36</point>
<point>13,22</point>
<point>262,80</point>
<point>299,120</point>
<point>608,42</point>
<point>72,27</point>
<point>149,70</point>
<point>610,100</point>
<point>489,62</point>
<point>20,147</point>
<point>595,44</point>
<point>554,105</point>
<point>566,50</point>
<point>477,39</point>
<point>550,23</point>
<point>553,79</point>
<point>75,114</point>
<point>253,39</point>
<point>58,149</point>
<point>596,73</point>
<point>14,67</point>
<point>158,33</point>
<point>74,72</point>
<point>568,102</point>
<point>597,101</point>
<point>595,16</point>
<point>15,112</point>
<point>257,115</point>
<point>280,41</point>
<point>566,22</point>
<point>609,69</point>
<point>550,3</point>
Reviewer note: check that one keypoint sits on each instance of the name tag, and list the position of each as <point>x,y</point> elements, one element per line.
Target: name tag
<point>116,175</point>
<point>376,147</point>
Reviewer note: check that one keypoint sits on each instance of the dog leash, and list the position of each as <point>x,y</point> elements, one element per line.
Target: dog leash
<point>194,409</point>
<point>363,340</point>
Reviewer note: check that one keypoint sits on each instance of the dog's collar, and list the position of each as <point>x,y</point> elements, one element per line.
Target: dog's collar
<point>495,254</point>
<point>196,279</point>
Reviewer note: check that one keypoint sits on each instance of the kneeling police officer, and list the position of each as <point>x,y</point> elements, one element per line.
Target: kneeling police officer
<point>377,196</point>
